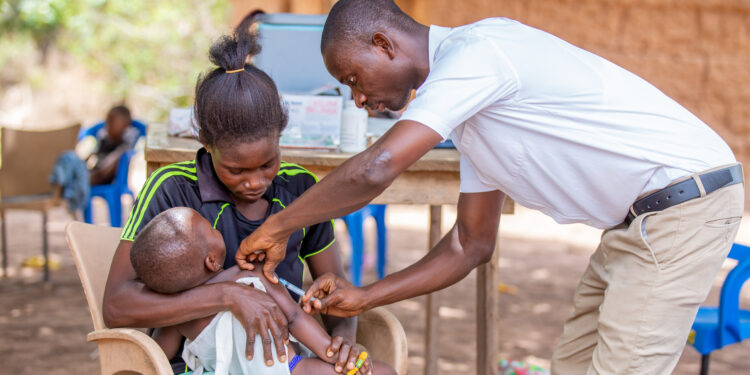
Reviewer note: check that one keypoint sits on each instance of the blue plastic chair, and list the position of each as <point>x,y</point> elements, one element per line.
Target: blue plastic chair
<point>355,227</point>
<point>112,192</point>
<point>92,130</point>
<point>717,327</point>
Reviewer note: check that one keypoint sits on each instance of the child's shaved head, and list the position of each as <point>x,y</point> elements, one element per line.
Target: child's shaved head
<point>173,252</point>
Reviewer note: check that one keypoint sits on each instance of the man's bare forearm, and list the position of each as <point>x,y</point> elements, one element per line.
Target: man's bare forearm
<point>469,243</point>
<point>360,179</point>
<point>446,264</point>
<point>345,190</point>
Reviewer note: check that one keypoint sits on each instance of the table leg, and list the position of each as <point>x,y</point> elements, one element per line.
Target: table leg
<point>431,323</point>
<point>4,245</point>
<point>45,246</point>
<point>487,314</point>
<point>150,168</point>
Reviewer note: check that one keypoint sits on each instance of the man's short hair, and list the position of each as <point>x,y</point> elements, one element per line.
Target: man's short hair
<point>122,111</point>
<point>166,255</point>
<point>357,20</point>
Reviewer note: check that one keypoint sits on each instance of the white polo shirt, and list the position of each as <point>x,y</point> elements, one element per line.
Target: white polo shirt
<point>557,128</point>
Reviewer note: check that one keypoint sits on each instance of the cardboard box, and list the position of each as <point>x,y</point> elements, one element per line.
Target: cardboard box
<point>314,121</point>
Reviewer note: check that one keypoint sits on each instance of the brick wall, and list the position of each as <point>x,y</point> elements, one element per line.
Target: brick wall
<point>696,51</point>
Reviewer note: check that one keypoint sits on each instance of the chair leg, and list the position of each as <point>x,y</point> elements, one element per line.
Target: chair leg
<point>382,239</point>
<point>4,245</point>
<point>354,223</point>
<point>45,246</point>
<point>114,201</point>
<point>88,216</point>
<point>704,363</point>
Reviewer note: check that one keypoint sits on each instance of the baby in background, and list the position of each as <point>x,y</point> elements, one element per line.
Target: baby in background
<point>179,250</point>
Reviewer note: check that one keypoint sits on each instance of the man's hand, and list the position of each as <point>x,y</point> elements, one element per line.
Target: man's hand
<point>263,245</point>
<point>335,296</point>
<point>259,313</point>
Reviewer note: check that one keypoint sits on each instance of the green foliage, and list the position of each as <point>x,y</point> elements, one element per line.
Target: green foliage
<point>145,48</point>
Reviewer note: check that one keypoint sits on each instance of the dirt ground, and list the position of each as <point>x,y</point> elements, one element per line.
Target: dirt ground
<point>43,328</point>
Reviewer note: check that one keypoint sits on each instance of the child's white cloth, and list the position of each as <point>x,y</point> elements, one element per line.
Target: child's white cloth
<point>220,347</point>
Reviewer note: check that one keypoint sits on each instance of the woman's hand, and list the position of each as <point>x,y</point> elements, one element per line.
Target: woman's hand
<point>334,296</point>
<point>259,313</point>
<point>263,245</point>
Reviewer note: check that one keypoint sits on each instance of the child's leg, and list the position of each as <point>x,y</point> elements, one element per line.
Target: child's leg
<point>382,368</point>
<point>314,366</point>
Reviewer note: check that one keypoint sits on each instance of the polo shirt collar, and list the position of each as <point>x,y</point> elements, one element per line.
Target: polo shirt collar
<point>209,185</point>
<point>436,36</point>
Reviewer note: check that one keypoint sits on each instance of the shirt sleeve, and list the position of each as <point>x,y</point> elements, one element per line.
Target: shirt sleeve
<point>468,74</point>
<point>160,193</point>
<point>470,182</point>
<point>318,238</point>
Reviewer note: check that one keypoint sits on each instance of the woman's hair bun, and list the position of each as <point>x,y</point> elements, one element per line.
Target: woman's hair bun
<point>241,107</point>
<point>231,52</point>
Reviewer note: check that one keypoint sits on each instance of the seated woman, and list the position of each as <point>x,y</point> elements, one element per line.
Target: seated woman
<point>179,250</point>
<point>236,182</point>
<point>113,139</point>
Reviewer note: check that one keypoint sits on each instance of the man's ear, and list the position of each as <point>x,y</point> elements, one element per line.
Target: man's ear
<point>384,43</point>
<point>212,263</point>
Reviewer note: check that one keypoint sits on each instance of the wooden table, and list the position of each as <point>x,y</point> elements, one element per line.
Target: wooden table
<point>433,180</point>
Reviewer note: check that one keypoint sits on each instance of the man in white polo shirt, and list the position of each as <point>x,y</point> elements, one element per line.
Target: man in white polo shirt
<point>556,128</point>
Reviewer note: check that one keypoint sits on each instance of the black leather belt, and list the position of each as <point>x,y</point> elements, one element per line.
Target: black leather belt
<point>686,190</point>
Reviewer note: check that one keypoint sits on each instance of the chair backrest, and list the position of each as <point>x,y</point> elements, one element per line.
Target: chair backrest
<point>29,156</point>
<point>123,169</point>
<point>93,247</point>
<point>93,129</point>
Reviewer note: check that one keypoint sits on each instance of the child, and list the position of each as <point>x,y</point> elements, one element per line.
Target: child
<point>179,250</point>
<point>117,136</point>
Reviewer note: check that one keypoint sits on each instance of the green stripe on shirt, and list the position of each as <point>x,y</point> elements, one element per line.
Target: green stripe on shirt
<point>130,234</point>
<point>148,185</point>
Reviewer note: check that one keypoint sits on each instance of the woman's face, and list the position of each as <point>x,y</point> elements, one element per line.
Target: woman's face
<point>247,168</point>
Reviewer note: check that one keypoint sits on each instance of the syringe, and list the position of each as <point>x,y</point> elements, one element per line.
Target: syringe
<point>294,289</point>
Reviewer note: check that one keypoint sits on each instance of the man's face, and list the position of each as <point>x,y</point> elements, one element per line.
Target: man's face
<point>116,125</point>
<point>378,80</point>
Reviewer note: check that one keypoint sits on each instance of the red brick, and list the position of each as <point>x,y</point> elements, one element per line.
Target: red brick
<point>729,79</point>
<point>660,30</point>
<point>586,23</point>
<point>724,33</point>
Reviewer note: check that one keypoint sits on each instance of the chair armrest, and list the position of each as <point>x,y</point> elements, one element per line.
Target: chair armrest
<point>739,252</point>
<point>729,302</point>
<point>381,333</point>
<point>127,349</point>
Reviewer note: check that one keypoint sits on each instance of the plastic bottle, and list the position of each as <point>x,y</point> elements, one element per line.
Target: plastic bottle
<point>353,128</point>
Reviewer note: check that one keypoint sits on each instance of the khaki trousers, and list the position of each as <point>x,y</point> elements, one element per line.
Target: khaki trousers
<point>639,295</point>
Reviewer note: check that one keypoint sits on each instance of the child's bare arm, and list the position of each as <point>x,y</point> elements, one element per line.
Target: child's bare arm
<point>193,328</point>
<point>304,327</point>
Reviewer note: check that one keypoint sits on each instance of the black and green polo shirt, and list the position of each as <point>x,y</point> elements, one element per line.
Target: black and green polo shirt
<point>194,184</point>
